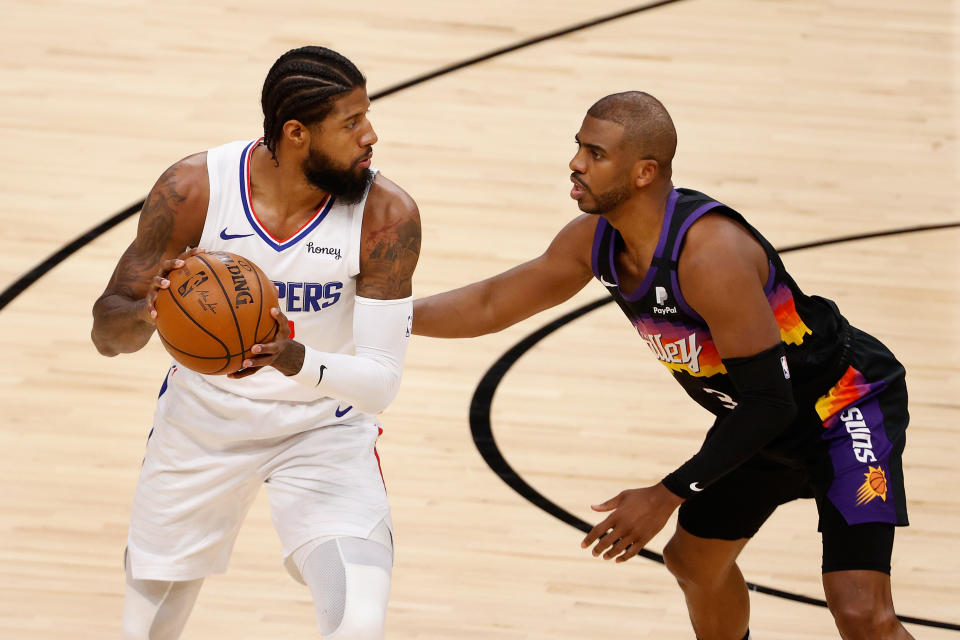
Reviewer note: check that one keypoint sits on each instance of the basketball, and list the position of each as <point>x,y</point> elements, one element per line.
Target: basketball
<point>216,308</point>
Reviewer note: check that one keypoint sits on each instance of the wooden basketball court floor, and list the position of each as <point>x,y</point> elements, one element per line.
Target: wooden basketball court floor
<point>815,118</point>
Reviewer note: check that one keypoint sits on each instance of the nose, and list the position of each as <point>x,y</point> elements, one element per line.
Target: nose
<point>369,137</point>
<point>577,165</point>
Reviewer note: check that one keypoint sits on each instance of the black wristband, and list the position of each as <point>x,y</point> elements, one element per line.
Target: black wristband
<point>765,407</point>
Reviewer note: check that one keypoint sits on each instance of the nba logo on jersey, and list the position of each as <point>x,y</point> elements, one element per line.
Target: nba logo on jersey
<point>786,369</point>
<point>661,295</point>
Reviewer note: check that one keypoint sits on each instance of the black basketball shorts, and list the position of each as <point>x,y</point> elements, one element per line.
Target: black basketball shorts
<point>851,465</point>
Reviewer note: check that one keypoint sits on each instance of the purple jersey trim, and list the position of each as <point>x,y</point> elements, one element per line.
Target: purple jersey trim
<point>681,302</point>
<point>674,281</point>
<point>768,288</point>
<point>696,215</point>
<point>667,219</point>
<point>640,291</point>
<point>644,287</point>
<point>594,253</point>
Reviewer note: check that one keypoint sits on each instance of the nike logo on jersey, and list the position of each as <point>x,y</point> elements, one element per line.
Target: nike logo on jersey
<point>232,236</point>
<point>322,369</point>
<point>340,413</point>
<point>605,283</point>
<point>695,486</point>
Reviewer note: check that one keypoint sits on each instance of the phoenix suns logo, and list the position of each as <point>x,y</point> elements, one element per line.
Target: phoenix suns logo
<point>874,486</point>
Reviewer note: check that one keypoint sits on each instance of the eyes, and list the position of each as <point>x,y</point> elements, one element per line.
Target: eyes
<point>356,121</point>
<point>594,152</point>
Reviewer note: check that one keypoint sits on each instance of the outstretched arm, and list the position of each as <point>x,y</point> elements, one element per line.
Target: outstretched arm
<point>503,300</point>
<point>171,220</point>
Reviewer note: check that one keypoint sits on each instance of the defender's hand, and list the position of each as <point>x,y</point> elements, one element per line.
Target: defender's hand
<point>281,353</point>
<point>148,312</point>
<point>638,515</point>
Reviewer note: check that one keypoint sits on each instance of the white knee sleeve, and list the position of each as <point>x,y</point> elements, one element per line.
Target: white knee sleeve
<point>156,609</point>
<point>350,582</point>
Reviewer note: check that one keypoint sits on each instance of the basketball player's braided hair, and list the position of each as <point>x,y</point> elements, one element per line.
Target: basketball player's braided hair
<point>302,85</point>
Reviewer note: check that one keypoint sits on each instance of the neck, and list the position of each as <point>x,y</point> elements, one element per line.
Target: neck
<point>640,218</point>
<point>282,183</point>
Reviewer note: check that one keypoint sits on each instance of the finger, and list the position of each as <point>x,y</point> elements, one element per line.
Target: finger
<point>170,265</point>
<point>244,372</point>
<point>598,533</point>
<point>619,546</point>
<point>595,533</point>
<point>259,361</point>
<point>271,348</point>
<point>607,541</point>
<point>278,316</point>
<point>610,504</point>
<point>283,325</point>
<point>630,552</point>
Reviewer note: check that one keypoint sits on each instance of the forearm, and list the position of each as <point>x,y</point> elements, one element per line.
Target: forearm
<point>118,325</point>
<point>460,313</point>
<point>766,408</point>
<point>369,379</point>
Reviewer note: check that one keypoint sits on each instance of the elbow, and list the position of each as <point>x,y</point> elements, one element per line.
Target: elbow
<point>786,410</point>
<point>103,347</point>
<point>380,397</point>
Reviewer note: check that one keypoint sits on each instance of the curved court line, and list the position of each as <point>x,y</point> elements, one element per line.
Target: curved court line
<point>21,284</point>
<point>478,415</point>
<point>482,430</point>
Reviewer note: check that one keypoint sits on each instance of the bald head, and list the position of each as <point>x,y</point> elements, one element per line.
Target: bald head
<point>648,128</point>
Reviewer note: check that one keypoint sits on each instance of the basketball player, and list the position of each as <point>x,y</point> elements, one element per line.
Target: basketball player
<point>341,243</point>
<point>805,404</point>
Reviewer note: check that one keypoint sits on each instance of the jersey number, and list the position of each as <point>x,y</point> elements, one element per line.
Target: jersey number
<point>724,399</point>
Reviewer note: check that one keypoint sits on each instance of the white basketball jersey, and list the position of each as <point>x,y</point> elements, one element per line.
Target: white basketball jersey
<point>314,270</point>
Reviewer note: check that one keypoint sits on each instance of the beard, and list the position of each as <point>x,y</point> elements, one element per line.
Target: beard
<point>347,185</point>
<point>606,201</point>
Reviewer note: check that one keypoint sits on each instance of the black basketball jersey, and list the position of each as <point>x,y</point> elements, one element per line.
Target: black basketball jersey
<point>814,333</point>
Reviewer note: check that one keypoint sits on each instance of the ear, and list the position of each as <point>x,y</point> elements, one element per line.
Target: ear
<point>645,172</point>
<point>297,134</point>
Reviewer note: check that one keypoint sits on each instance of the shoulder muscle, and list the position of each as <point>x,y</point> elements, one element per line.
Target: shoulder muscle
<point>390,242</point>
<point>722,271</point>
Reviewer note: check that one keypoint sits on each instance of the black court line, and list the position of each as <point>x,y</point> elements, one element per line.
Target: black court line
<point>495,459</point>
<point>21,284</point>
<point>482,429</point>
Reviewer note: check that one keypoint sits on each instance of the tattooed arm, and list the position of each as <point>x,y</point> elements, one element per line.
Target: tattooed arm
<point>172,219</point>
<point>390,245</point>
<point>370,378</point>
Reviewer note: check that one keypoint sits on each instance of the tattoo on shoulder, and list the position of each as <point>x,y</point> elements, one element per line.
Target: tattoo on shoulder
<point>153,236</point>
<point>386,270</point>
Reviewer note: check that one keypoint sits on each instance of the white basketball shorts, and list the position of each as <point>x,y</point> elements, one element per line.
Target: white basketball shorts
<point>197,484</point>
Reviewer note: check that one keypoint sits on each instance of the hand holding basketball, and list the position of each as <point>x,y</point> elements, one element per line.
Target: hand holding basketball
<point>284,354</point>
<point>160,281</point>
<point>213,309</point>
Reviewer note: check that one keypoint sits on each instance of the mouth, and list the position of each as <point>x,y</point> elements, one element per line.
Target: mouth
<point>578,190</point>
<point>365,161</point>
